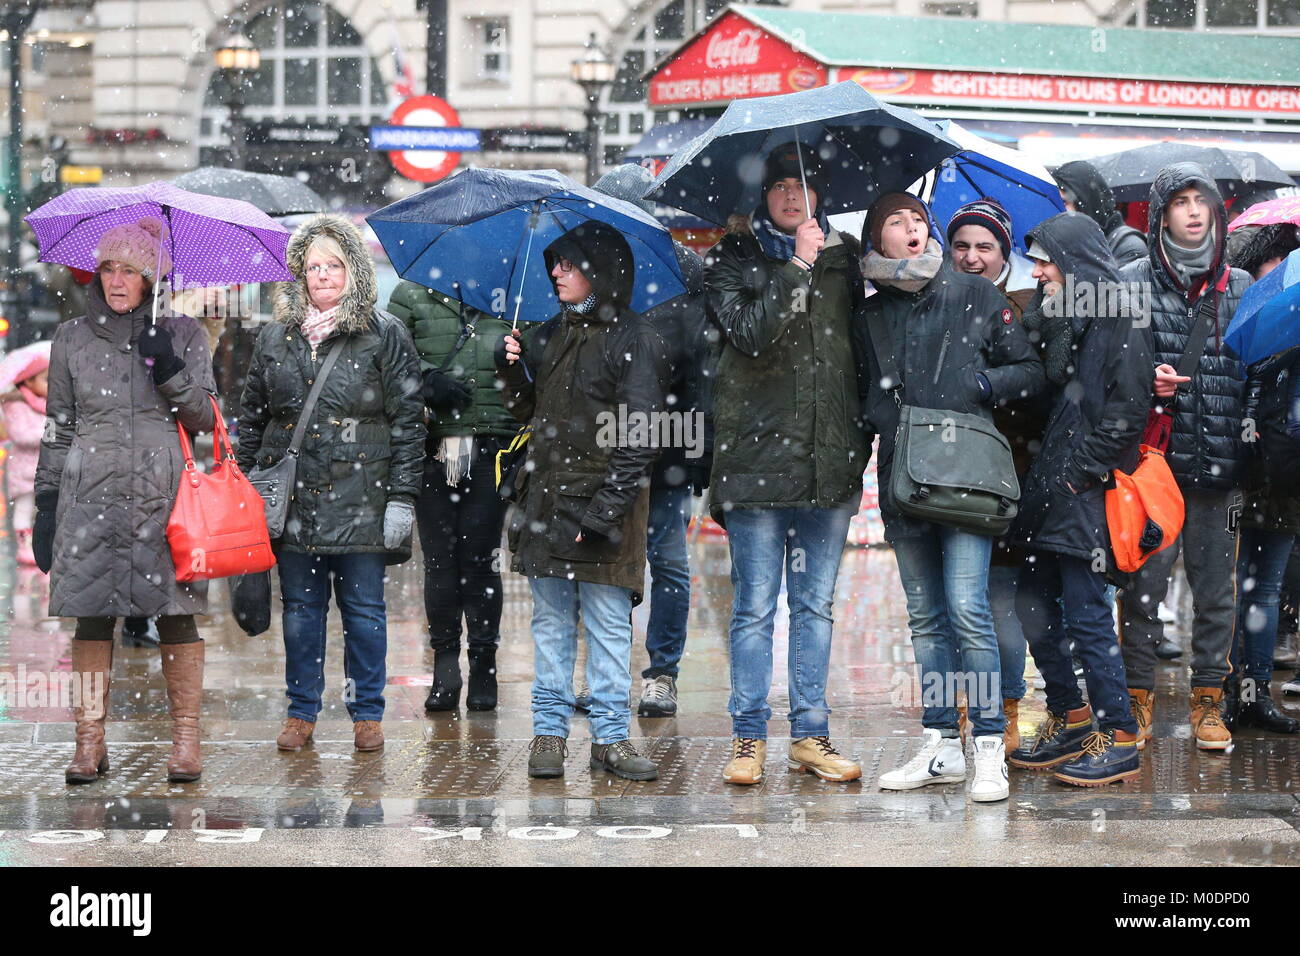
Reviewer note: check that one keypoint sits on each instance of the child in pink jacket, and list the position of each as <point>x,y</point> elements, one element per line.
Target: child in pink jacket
<point>23,382</point>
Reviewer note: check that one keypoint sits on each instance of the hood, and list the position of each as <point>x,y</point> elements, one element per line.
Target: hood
<point>21,364</point>
<point>628,182</point>
<point>357,306</point>
<point>1093,197</point>
<point>603,256</point>
<point>1078,248</point>
<point>1251,246</point>
<point>1170,180</point>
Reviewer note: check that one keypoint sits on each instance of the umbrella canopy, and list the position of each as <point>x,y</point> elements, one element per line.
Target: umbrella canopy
<point>1267,320</point>
<point>1131,172</point>
<point>480,235</point>
<point>1285,209</point>
<point>211,241</point>
<point>866,147</point>
<point>274,195</point>
<point>1020,183</point>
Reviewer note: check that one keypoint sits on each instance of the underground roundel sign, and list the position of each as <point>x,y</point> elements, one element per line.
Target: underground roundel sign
<point>424,165</point>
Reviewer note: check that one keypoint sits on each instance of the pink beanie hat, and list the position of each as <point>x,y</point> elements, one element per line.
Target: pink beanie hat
<point>140,245</point>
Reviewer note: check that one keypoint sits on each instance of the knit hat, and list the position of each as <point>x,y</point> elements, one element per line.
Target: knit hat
<point>139,244</point>
<point>783,163</point>
<point>886,206</point>
<point>990,214</point>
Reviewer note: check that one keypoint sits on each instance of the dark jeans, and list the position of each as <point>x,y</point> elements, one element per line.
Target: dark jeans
<point>1261,566</point>
<point>460,535</point>
<point>172,629</point>
<point>670,579</point>
<point>1061,600</point>
<point>358,581</point>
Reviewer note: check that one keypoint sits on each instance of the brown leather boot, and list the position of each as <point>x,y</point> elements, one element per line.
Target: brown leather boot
<point>1207,722</point>
<point>182,665</point>
<point>1011,735</point>
<point>295,734</point>
<point>367,735</point>
<point>1140,702</point>
<point>92,663</point>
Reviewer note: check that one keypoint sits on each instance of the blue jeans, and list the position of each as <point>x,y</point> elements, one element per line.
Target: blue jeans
<point>946,579</point>
<point>1261,565</point>
<point>808,544</point>
<point>1063,601</point>
<point>359,589</point>
<point>670,579</point>
<point>1006,625</point>
<point>607,620</point>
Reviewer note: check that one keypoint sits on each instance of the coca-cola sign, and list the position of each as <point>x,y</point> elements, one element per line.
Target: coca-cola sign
<point>729,52</point>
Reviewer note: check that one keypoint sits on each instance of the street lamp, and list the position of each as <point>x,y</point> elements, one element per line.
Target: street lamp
<point>237,59</point>
<point>593,71</point>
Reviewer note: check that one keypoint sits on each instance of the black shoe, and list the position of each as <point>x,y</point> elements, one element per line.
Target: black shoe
<point>621,759</point>
<point>482,693</point>
<point>1258,710</point>
<point>1167,649</point>
<point>1231,702</point>
<point>445,693</point>
<point>546,756</point>
<point>1058,740</point>
<point>139,632</point>
<point>1104,760</point>
<point>658,697</point>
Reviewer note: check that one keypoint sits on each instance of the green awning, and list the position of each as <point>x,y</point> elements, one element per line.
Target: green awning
<point>945,43</point>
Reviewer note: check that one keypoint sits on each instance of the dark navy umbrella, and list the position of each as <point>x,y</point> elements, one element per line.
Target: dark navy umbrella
<point>1130,173</point>
<point>1267,320</point>
<point>866,147</point>
<point>479,236</point>
<point>274,195</point>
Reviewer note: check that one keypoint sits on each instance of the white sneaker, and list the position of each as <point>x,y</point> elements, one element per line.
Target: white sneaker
<point>990,783</point>
<point>1292,687</point>
<point>940,761</point>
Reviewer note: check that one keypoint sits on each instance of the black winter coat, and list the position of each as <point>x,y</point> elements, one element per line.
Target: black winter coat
<point>1206,450</point>
<point>365,442</point>
<point>1095,200</point>
<point>582,475</point>
<point>1269,507</point>
<point>1098,416</point>
<point>956,326</point>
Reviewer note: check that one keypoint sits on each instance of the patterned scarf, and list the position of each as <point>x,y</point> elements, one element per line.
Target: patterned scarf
<point>317,326</point>
<point>776,244</point>
<point>910,275</point>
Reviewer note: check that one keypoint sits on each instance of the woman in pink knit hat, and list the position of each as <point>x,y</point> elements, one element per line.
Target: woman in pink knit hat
<point>24,379</point>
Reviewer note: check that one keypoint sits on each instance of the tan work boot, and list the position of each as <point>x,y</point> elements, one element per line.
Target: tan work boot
<point>92,663</point>
<point>816,755</point>
<point>367,735</point>
<point>182,665</point>
<point>1011,734</point>
<point>296,734</point>
<point>1140,702</point>
<point>746,763</point>
<point>1207,722</point>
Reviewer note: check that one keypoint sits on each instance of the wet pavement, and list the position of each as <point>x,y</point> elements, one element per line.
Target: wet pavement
<point>455,789</point>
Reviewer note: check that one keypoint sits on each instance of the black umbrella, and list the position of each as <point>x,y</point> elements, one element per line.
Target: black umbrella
<point>274,195</point>
<point>1237,172</point>
<point>866,148</point>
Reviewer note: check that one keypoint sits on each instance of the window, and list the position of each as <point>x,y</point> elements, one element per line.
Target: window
<point>969,9</point>
<point>491,60</point>
<point>1171,13</point>
<point>1231,13</point>
<point>1284,13</point>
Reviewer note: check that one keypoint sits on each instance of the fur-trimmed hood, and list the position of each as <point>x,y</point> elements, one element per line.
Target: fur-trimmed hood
<point>357,306</point>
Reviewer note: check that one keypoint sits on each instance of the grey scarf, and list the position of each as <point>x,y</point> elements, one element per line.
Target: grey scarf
<point>1190,263</point>
<point>910,275</point>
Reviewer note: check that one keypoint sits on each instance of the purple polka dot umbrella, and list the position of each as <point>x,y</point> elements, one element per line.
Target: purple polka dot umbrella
<point>212,241</point>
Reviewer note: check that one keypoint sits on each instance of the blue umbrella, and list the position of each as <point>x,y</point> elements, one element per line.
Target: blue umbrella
<point>866,148</point>
<point>479,236</point>
<point>1024,187</point>
<point>1267,320</point>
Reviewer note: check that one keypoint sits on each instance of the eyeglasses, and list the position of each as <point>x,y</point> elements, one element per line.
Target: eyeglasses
<point>565,265</point>
<point>113,271</point>
<point>329,269</point>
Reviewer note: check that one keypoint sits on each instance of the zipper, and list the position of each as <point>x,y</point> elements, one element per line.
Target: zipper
<point>943,351</point>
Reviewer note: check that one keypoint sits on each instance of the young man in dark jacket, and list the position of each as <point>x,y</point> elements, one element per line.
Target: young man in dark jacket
<point>1184,276</point>
<point>935,338</point>
<point>1096,422</point>
<point>1083,190</point>
<point>788,451</point>
<point>579,530</point>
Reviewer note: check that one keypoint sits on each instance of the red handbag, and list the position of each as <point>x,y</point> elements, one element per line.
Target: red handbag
<point>217,528</point>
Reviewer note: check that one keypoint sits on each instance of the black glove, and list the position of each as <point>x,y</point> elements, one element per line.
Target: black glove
<point>442,393</point>
<point>43,531</point>
<point>155,343</point>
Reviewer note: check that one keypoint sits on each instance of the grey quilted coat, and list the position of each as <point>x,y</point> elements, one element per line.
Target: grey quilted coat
<point>111,453</point>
